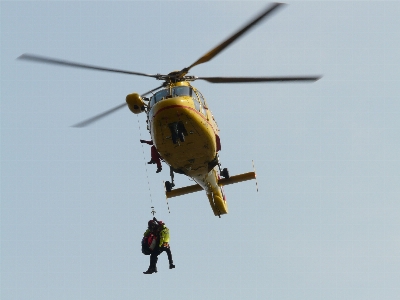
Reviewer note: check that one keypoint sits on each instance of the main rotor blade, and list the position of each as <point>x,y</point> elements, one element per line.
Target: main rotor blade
<point>214,52</point>
<point>257,79</point>
<point>95,118</point>
<point>54,61</point>
<point>108,112</point>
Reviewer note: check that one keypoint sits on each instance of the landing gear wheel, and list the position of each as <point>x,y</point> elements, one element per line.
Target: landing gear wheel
<point>225,173</point>
<point>168,186</point>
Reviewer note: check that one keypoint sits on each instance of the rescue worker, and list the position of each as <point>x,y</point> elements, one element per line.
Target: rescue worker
<point>155,156</point>
<point>161,231</point>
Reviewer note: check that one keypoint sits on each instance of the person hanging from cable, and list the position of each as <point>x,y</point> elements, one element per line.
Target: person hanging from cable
<point>155,156</point>
<point>161,232</point>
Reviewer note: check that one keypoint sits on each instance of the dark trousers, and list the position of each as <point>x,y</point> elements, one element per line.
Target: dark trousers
<point>156,252</point>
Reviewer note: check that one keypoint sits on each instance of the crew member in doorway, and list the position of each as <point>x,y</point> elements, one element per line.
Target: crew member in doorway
<point>161,231</point>
<point>155,156</point>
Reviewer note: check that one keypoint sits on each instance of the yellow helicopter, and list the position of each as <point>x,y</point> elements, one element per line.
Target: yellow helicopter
<point>180,123</point>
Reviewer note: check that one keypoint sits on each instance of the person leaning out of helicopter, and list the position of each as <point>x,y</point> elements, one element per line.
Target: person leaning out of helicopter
<point>155,156</point>
<point>161,231</point>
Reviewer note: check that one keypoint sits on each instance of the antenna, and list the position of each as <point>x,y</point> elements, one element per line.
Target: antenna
<point>255,175</point>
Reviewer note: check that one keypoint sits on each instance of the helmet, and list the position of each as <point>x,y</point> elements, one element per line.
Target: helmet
<point>152,224</point>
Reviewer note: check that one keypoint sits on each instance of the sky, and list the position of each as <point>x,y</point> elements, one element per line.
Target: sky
<point>75,202</point>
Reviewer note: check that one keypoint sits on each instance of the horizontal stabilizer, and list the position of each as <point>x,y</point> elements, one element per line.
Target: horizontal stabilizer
<point>237,178</point>
<point>185,190</point>
<point>221,182</point>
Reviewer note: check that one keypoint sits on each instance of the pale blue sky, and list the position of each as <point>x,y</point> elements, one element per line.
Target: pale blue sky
<point>75,202</point>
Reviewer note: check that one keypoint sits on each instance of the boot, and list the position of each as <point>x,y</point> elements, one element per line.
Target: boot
<point>151,162</point>
<point>158,170</point>
<point>171,266</point>
<point>150,271</point>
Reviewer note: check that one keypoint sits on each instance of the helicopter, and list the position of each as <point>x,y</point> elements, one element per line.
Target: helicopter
<point>180,122</point>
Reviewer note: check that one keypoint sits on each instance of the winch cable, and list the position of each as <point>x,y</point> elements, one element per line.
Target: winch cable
<point>147,173</point>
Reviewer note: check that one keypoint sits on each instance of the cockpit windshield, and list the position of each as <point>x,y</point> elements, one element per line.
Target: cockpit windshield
<point>175,92</point>
<point>160,95</point>
<point>181,91</point>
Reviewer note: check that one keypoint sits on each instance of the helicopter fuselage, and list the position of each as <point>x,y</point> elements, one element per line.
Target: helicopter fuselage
<point>186,136</point>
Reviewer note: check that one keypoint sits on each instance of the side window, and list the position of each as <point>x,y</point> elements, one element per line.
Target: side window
<point>203,104</point>
<point>196,101</point>
<point>152,101</point>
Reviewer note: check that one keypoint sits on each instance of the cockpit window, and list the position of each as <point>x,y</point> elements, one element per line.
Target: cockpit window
<point>161,95</point>
<point>181,91</point>
<point>158,96</point>
<point>176,92</point>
